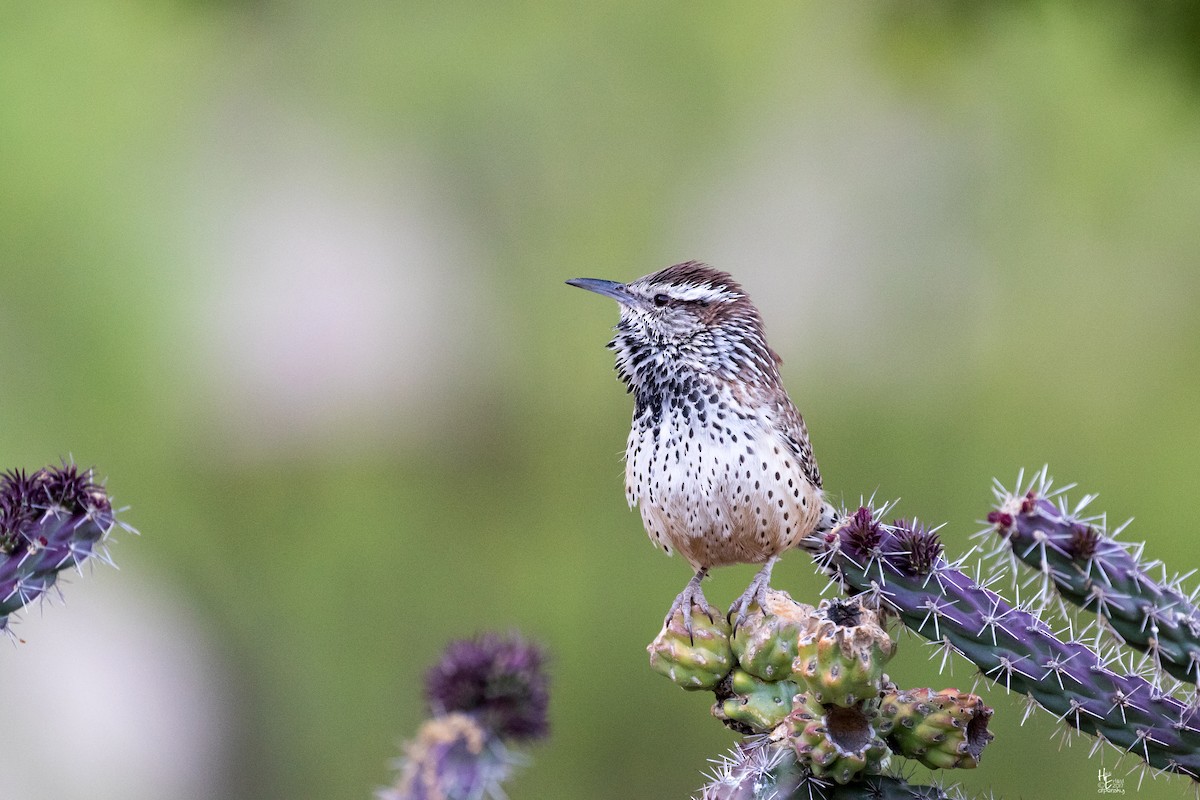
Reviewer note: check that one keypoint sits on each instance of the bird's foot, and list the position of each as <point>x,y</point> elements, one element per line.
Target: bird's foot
<point>690,596</point>
<point>756,592</point>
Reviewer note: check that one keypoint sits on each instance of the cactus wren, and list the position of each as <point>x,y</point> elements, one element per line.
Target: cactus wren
<point>718,459</point>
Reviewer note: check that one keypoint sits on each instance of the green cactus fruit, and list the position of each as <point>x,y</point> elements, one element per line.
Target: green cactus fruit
<point>942,730</point>
<point>756,706</point>
<point>765,645</point>
<point>696,661</point>
<point>841,657</point>
<point>835,742</point>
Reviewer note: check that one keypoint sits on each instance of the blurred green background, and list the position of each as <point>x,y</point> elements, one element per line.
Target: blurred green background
<point>291,276</point>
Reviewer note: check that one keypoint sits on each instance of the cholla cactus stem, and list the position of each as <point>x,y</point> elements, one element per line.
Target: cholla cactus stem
<point>759,769</point>
<point>1088,567</point>
<point>1012,646</point>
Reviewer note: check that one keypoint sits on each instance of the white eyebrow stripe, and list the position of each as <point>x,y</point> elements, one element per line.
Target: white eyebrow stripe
<point>706,293</point>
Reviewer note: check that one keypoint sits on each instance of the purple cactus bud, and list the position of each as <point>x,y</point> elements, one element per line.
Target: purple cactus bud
<point>921,547</point>
<point>499,680</point>
<point>50,520</point>
<point>483,692</point>
<point>862,531</point>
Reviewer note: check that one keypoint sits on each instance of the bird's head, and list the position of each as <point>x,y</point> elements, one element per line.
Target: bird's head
<point>688,316</point>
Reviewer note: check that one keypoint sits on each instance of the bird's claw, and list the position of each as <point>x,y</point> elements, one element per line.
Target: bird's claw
<point>743,603</point>
<point>690,596</point>
<point>756,592</point>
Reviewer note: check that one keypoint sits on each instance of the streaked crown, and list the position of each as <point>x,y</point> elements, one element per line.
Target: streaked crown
<point>688,317</point>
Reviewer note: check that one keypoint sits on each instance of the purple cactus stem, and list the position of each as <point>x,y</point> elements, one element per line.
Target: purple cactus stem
<point>500,680</point>
<point>1009,645</point>
<point>757,768</point>
<point>1095,572</point>
<point>453,758</point>
<point>50,520</point>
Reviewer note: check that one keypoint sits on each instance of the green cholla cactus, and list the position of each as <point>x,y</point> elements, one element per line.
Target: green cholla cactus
<point>836,742</point>
<point>757,706</point>
<point>942,730</point>
<point>766,644</point>
<point>696,661</point>
<point>841,658</point>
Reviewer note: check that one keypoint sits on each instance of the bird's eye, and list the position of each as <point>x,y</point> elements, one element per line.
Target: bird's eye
<point>660,300</point>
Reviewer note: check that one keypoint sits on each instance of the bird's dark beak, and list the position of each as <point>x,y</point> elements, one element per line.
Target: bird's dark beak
<point>616,291</point>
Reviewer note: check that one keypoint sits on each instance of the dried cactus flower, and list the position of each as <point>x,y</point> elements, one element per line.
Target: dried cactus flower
<point>835,742</point>
<point>841,657</point>
<point>942,730</point>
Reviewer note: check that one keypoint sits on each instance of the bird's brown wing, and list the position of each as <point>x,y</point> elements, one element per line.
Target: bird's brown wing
<point>795,435</point>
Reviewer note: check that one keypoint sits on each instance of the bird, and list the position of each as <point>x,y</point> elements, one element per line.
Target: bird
<point>718,459</point>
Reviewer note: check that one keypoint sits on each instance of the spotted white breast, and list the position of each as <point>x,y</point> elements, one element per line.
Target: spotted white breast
<point>718,481</point>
